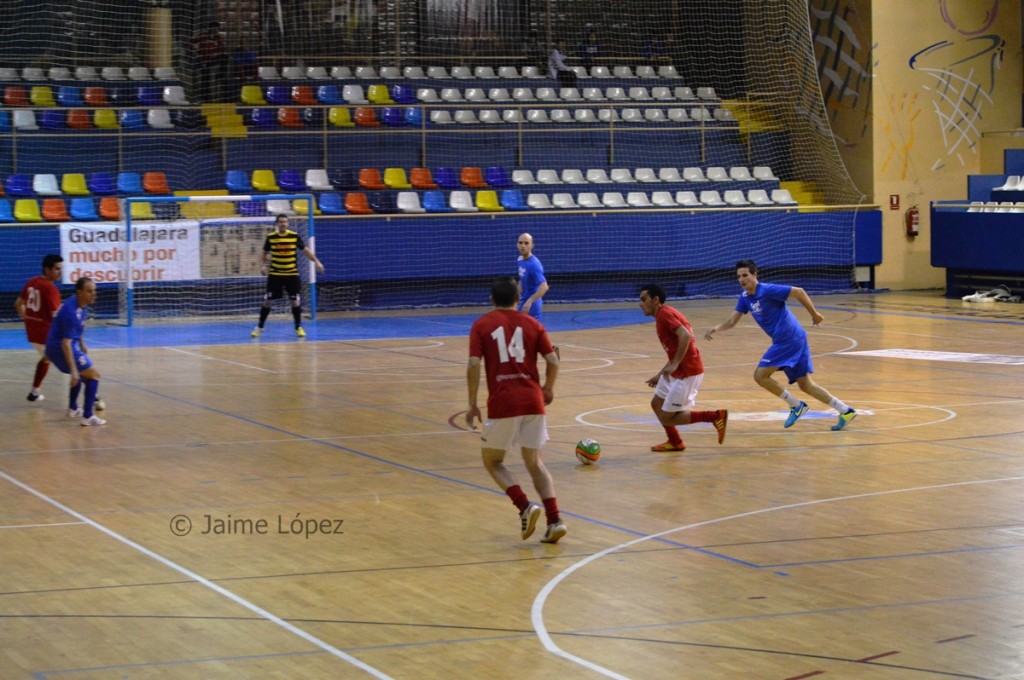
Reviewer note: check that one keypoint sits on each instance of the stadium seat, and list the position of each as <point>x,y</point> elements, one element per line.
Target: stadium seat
<point>499,94</point>
<point>700,114</point>
<point>132,119</point>
<point>300,206</point>
<point>475,94</point>
<point>646,175</point>
<point>588,199</point>
<point>461,73</point>
<point>138,73</point>
<point>1011,184</point>
<point>331,204</point>
<point>55,210</point>
<point>523,94</point>
<point>661,94</point>
<point>706,93</point>
<point>341,72</point>
<point>472,177</point>
<point>509,72</point>
<point>390,72</point>
<point>723,115</point>
<point>437,72</point>
<point>293,73</point>
<point>421,178</point>
<point>546,94</point>
<point>539,116</point>
<point>663,199</point>
<point>265,180</point>
<point>329,94</point>
<point>573,176</point>
<point>379,94</point>
<point>740,174</point>
<point>164,73</point>
<point>409,202</point>
<point>678,114</point>
<point>316,180</point>
<point>45,185</point>
<point>451,95</point>
<point>446,178</point>
<point>598,176</point>
<point>79,119</point>
<point>414,116</point>
<point>403,94</point>
<point>684,93</point>
<point>316,73</point>
<point>293,181</point>
<point>344,178</point>
<point>694,175</point>
<point>564,201</point>
<point>369,178</point>
<point>654,115</point>
<point>159,119</point>
<point>238,181</point>
<point>366,117</point>
<point>487,201</point>
<point>339,116</point>
<point>102,183</point>
<point>289,116</point>
<point>15,95</point>
<point>613,199</point>
<point>548,177</point>
<point>669,175</point>
<point>353,94</point>
<point>395,178</point>
<point>83,209</point>
<point>490,116</point>
<point>532,72</point>
<point>584,116</point>
<point>759,197</point>
<point>5,122</point>
<point>105,119</point>
<point>264,118</point>
<point>279,95</point>
<point>484,72</point>
<point>668,71</point>
<point>155,182</point>
<point>110,209</point>
<point>6,213</point>
<point>462,201</point>
<point>150,96</point>
<point>622,176</point>
<point>779,196</point>
<point>512,116</point>
<point>53,73</point>
<point>763,172</point>
<point>129,183</point>
<point>27,210</point>
<point>383,202</point>
<point>366,72</point>
<point>357,203</point>
<point>413,72</point>
<point>561,116</point>
<point>632,116</point>
<point>497,177</point>
<point>86,73</point>
<point>569,94</point>
<point>639,94</point>
<point>268,73</point>
<point>441,117</point>
<point>174,95</point>
<point>717,174</point>
<point>427,95</point>
<point>638,199</point>
<point>711,197</point>
<point>50,119</point>
<point>607,115</point>
<point>142,210</point>
<point>539,202</point>
<point>645,72</point>
<point>74,184</point>
<point>512,199</point>
<point>42,95</point>
<point>253,95</point>
<point>616,94</point>
<point>95,96</point>
<point>18,185</point>
<point>735,197</point>
<point>523,177</point>
<point>623,72</point>
<point>434,202</point>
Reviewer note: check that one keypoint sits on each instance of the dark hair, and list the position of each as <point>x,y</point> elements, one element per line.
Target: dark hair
<point>749,264</point>
<point>50,260</point>
<point>654,291</point>
<point>504,291</point>
<point>279,216</point>
<point>80,283</point>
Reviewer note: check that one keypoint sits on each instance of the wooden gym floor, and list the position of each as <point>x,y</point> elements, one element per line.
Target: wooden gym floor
<point>355,533</point>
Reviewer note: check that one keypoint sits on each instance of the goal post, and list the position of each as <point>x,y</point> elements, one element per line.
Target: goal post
<point>200,256</point>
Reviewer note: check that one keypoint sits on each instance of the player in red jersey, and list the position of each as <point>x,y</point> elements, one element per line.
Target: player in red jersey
<point>38,302</point>
<point>679,380</point>
<point>508,343</point>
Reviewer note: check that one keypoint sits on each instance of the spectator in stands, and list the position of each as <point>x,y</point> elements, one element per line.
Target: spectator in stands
<point>281,266</point>
<point>38,302</point>
<point>590,50</point>
<point>790,351</point>
<point>532,283</point>
<point>65,348</point>
<point>210,58</point>
<point>557,68</point>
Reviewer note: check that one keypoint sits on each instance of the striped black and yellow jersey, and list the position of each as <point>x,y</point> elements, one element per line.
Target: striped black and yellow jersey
<point>284,249</point>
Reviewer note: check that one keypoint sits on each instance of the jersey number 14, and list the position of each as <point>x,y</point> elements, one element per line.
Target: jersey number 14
<point>514,348</point>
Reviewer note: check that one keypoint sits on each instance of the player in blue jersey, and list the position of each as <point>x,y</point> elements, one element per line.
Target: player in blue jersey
<point>790,351</point>
<point>531,278</point>
<point>65,348</point>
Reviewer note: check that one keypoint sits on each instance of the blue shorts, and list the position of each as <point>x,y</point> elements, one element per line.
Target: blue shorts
<point>81,360</point>
<point>794,358</point>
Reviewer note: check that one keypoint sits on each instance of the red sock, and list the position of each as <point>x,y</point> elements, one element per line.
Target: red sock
<point>515,492</point>
<point>673,435</point>
<point>41,368</point>
<point>551,510</point>
<point>703,416</point>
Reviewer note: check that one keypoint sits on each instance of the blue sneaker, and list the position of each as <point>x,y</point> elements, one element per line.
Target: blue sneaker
<point>844,418</point>
<point>795,413</point>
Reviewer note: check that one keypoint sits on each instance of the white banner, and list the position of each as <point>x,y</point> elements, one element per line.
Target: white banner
<point>167,251</point>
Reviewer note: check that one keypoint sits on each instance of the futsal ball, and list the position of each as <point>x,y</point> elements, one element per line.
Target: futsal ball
<point>99,405</point>
<point>588,451</point>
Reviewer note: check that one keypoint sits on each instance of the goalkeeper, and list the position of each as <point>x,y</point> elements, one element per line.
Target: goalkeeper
<point>280,264</point>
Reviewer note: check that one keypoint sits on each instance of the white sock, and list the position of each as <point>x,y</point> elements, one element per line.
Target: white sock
<point>839,406</point>
<point>790,399</point>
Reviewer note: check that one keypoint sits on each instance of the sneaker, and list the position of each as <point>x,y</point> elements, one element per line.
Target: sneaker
<point>92,421</point>
<point>529,518</point>
<point>256,332</point>
<point>299,332</point>
<point>720,422</point>
<point>669,446</point>
<point>844,418</point>
<point>795,413</point>
<point>554,532</point>
<point>35,396</point>
<point>74,413</point>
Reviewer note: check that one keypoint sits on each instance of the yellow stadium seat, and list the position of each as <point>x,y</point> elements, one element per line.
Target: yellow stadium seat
<point>27,210</point>
<point>42,95</point>
<point>105,119</point>
<point>73,184</point>
<point>142,211</point>
<point>487,201</point>
<point>378,94</point>
<point>264,180</point>
<point>253,95</point>
<point>395,178</point>
<point>301,207</point>
<point>339,116</point>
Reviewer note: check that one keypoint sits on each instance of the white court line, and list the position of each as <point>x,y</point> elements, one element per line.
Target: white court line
<point>225,361</point>
<point>259,611</point>
<point>537,611</point>
<point>33,526</point>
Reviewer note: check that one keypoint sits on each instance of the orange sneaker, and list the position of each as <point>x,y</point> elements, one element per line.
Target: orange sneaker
<point>669,446</point>
<point>720,422</point>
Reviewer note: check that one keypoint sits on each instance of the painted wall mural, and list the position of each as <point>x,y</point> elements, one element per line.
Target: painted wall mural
<point>844,68</point>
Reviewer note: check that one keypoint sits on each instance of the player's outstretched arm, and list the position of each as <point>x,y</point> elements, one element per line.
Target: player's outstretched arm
<point>733,319</point>
<point>801,296</point>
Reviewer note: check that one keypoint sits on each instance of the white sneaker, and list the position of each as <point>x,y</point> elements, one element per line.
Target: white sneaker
<point>95,420</point>
<point>74,413</point>
<point>554,532</point>
<point>256,332</point>
<point>529,518</point>
<point>35,396</point>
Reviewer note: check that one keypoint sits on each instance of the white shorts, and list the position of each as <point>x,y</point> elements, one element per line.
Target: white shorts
<point>39,348</point>
<point>680,394</point>
<point>530,432</point>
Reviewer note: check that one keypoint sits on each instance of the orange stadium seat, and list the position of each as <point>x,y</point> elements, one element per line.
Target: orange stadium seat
<point>369,178</point>
<point>472,177</point>
<point>79,119</point>
<point>289,116</point>
<point>420,178</point>
<point>303,94</point>
<point>15,95</point>
<point>155,183</point>
<point>366,117</point>
<point>95,96</point>
<point>109,208</point>
<point>54,210</point>
<point>357,203</point>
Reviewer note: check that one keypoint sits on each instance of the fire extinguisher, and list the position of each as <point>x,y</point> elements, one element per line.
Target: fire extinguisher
<point>912,219</point>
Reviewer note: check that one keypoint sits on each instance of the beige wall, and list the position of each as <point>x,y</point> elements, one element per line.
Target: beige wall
<point>944,72</point>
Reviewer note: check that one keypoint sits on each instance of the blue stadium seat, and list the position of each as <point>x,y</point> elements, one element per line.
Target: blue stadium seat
<point>83,209</point>
<point>252,208</point>
<point>68,95</point>
<point>279,95</point>
<point>6,214</point>
<point>329,94</point>
<point>264,117</point>
<point>133,119</point>
<point>292,180</point>
<point>52,119</point>
<point>238,180</point>
<point>102,183</point>
<point>435,202</point>
<point>404,94</point>
<point>129,183</point>
<point>447,178</point>
<point>18,185</point>
<point>331,204</point>
<point>151,96</point>
<point>497,177</point>
<point>392,117</point>
<point>5,121</point>
<point>512,199</point>
<point>414,116</point>
<point>344,178</point>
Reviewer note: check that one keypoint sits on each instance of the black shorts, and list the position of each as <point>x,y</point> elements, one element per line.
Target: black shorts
<point>277,286</point>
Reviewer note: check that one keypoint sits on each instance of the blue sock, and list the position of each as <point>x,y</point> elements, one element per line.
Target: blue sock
<point>91,387</point>
<point>73,401</point>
